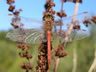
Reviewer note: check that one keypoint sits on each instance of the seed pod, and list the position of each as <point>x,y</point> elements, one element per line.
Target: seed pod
<point>15,26</point>
<point>93,19</point>
<point>61,14</point>
<point>21,54</point>
<point>74,1</point>
<point>28,56</point>
<point>26,66</point>
<point>60,51</point>
<point>86,22</point>
<point>16,13</point>
<point>24,47</point>
<point>77,27</point>
<point>20,10</point>
<point>11,8</point>
<point>52,4</point>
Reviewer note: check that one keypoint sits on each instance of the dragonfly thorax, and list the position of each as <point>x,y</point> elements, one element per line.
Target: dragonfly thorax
<point>48,21</point>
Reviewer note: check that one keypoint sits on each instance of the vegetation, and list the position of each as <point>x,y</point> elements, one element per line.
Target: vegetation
<point>10,61</point>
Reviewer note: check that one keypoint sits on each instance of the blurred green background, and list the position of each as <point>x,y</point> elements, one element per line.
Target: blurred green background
<point>10,60</point>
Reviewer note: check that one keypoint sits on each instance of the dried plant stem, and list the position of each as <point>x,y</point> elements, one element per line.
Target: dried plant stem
<point>69,30</point>
<point>47,70</point>
<point>61,27</point>
<point>71,26</point>
<point>93,66</point>
<point>56,64</point>
<point>61,17</point>
<point>74,59</point>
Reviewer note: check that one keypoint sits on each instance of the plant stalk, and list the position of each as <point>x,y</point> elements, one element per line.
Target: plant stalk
<point>69,30</point>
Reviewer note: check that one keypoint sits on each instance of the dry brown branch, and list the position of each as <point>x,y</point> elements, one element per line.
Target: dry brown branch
<point>74,60</point>
<point>71,26</point>
<point>56,65</point>
<point>93,66</point>
<point>70,29</point>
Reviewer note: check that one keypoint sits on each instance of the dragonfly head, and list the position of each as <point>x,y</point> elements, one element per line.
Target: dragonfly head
<point>48,17</point>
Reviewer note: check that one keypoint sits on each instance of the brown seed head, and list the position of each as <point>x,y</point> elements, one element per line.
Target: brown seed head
<point>76,27</point>
<point>93,19</point>
<point>16,13</point>
<point>15,26</point>
<point>11,8</point>
<point>61,14</point>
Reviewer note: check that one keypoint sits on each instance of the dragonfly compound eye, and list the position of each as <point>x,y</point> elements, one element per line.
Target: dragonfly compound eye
<point>48,16</point>
<point>10,1</point>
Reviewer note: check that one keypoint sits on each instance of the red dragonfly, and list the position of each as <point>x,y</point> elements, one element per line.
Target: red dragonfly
<point>28,30</point>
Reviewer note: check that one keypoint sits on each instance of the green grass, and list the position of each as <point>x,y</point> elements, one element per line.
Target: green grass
<point>10,61</point>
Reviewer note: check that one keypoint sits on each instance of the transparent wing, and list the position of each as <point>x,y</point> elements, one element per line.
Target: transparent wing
<point>79,17</point>
<point>75,35</point>
<point>30,23</point>
<point>79,34</point>
<point>25,36</point>
<point>32,30</point>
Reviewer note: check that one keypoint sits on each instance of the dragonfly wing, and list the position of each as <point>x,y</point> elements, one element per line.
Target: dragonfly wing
<point>78,35</point>
<point>25,36</point>
<point>75,35</point>
<point>30,23</point>
<point>33,37</point>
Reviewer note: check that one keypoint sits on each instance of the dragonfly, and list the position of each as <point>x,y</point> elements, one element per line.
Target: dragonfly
<point>31,30</point>
<point>28,30</point>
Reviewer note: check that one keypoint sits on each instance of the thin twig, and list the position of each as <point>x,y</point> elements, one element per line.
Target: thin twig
<point>56,64</point>
<point>74,60</point>
<point>93,66</point>
<point>70,29</point>
<point>61,17</point>
<point>71,26</point>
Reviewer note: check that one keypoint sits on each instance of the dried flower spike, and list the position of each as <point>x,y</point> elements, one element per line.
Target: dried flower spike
<point>76,27</point>
<point>61,14</point>
<point>94,19</point>
<point>86,22</point>
<point>26,66</point>
<point>20,10</point>
<point>60,51</point>
<point>24,47</point>
<point>16,13</point>
<point>74,1</point>
<point>11,8</point>
<point>15,26</point>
